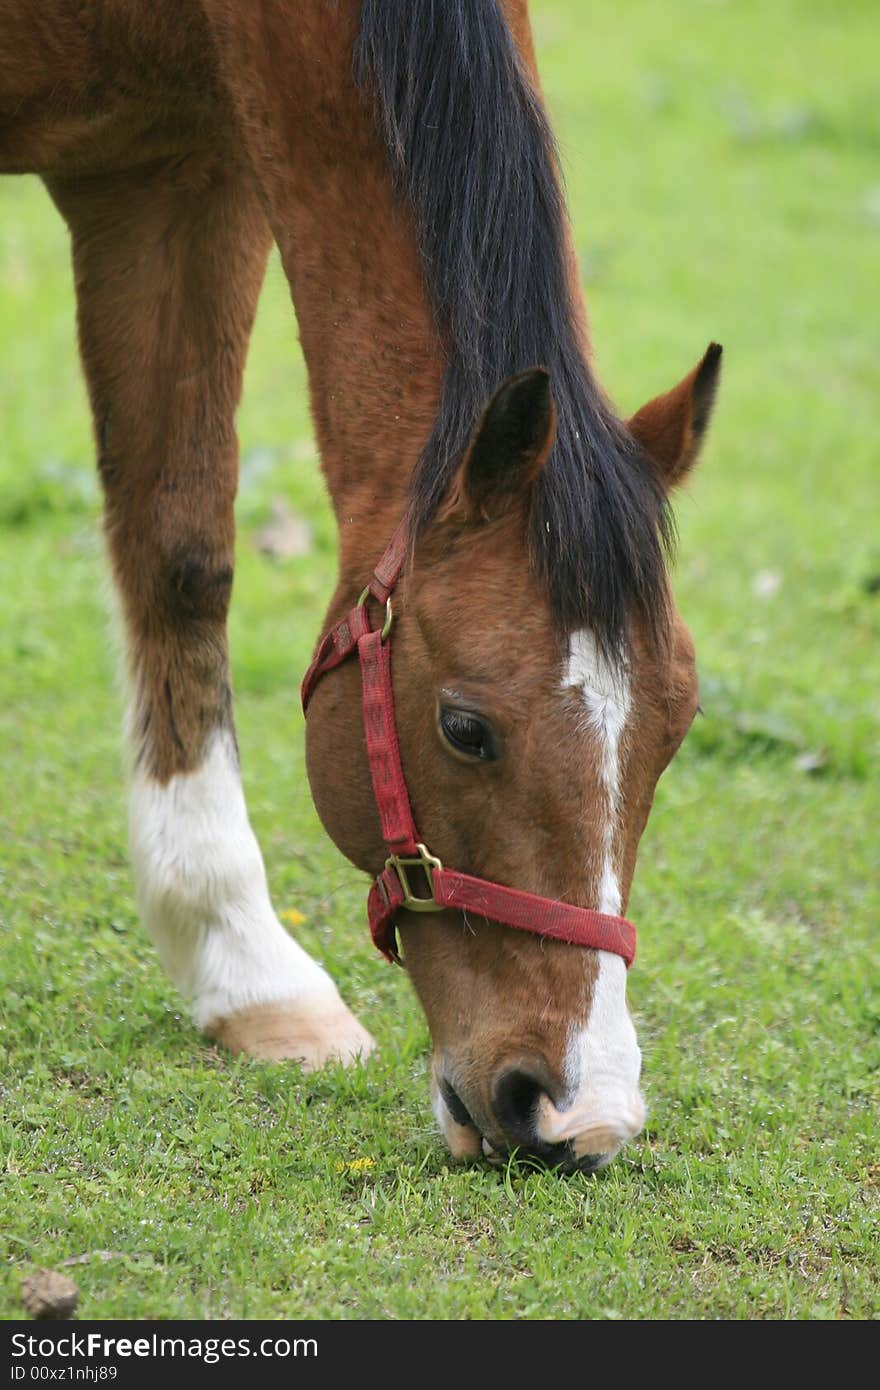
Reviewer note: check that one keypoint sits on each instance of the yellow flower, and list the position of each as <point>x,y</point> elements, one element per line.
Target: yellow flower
<point>356,1165</point>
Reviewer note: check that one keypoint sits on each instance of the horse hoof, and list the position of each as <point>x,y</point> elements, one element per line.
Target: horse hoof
<point>313,1033</point>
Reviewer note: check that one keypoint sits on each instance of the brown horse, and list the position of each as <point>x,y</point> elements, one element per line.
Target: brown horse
<point>399,155</point>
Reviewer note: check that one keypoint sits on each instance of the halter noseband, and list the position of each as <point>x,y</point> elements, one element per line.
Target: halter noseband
<point>408,857</point>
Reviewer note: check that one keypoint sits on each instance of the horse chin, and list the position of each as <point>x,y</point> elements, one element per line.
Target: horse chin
<point>463,1139</point>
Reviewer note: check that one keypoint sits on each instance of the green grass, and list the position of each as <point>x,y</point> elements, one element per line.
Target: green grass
<point>722,164</point>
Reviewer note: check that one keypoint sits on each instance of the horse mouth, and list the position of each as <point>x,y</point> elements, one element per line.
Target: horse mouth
<point>467,1140</point>
<point>556,1158</point>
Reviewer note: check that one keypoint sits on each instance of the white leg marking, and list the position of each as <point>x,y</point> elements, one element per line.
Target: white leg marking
<point>202,892</point>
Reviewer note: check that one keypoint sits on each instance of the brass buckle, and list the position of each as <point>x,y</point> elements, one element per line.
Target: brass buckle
<point>425,861</point>
<point>389,615</point>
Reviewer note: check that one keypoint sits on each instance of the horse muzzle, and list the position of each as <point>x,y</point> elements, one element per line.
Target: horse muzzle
<point>581,1133</point>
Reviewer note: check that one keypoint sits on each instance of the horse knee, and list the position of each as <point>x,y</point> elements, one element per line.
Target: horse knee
<point>196,583</point>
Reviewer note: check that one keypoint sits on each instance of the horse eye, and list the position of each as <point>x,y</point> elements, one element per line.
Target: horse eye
<point>468,733</point>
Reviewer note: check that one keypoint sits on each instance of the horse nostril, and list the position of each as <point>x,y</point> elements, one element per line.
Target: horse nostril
<point>515,1102</point>
<point>454,1104</point>
<point>526,1107</point>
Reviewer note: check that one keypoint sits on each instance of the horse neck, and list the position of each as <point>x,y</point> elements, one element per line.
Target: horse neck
<point>349,253</point>
<point>372,352</point>
<point>349,250</point>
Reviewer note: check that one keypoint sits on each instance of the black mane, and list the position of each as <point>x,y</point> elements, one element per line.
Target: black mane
<point>472,152</point>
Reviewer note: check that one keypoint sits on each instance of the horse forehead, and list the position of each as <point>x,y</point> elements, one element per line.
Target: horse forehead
<point>601,679</point>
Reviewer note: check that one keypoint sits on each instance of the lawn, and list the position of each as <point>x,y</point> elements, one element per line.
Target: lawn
<point>722,167</point>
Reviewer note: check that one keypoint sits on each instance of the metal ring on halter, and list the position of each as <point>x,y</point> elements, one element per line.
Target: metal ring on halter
<point>424,860</point>
<point>389,614</point>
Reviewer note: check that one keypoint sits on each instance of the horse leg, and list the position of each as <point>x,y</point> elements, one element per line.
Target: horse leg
<point>169,262</point>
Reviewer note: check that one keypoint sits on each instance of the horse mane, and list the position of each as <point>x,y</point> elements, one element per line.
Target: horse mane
<point>471,150</point>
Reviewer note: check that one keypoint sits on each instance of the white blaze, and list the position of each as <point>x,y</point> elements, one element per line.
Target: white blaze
<point>602,1061</point>
<point>605,692</point>
<point>601,1072</point>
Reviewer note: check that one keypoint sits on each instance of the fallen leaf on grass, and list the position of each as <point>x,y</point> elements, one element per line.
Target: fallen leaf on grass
<point>814,760</point>
<point>766,583</point>
<point>285,535</point>
<point>768,728</point>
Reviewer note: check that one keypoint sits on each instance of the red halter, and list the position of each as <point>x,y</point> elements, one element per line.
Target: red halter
<point>393,889</point>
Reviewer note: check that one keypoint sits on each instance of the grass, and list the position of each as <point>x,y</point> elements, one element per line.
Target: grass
<point>722,169</point>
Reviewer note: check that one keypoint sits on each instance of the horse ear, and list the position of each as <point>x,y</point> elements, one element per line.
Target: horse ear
<point>509,447</point>
<point>671,428</point>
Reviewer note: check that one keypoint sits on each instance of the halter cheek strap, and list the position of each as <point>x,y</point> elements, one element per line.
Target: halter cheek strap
<point>414,879</point>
